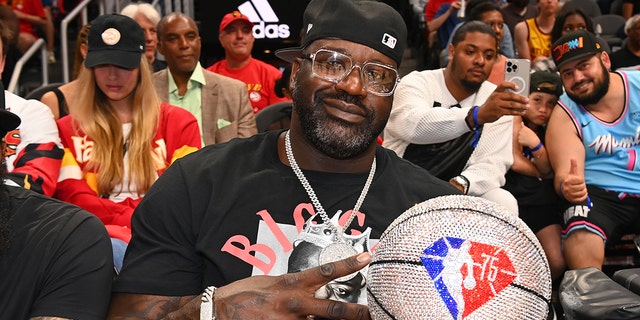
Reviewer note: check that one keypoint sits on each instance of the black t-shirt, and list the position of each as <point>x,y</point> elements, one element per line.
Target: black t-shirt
<point>234,210</point>
<point>511,17</point>
<point>623,58</point>
<point>59,263</point>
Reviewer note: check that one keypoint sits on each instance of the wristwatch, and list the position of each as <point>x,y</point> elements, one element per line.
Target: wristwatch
<point>461,181</point>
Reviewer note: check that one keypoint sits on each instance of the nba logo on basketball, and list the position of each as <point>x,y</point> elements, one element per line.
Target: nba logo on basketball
<point>458,257</point>
<point>467,274</point>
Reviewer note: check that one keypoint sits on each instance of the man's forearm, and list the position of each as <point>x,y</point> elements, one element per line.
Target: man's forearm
<point>33,19</point>
<point>133,306</point>
<point>190,310</point>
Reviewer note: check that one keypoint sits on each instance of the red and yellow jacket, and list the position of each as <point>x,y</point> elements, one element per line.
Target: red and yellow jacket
<point>178,135</point>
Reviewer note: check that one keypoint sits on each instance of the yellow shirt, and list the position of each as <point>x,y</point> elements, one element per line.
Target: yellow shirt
<point>539,42</point>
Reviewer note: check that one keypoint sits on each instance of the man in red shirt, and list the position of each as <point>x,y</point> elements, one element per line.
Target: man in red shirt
<point>432,7</point>
<point>236,37</point>
<point>30,14</point>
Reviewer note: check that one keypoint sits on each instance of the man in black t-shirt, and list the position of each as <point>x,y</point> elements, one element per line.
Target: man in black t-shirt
<point>55,258</point>
<point>629,55</point>
<point>516,11</point>
<point>233,219</point>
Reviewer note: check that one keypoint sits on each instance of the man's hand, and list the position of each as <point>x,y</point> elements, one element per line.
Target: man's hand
<point>573,186</point>
<point>290,296</point>
<point>457,186</point>
<point>455,6</point>
<point>501,103</point>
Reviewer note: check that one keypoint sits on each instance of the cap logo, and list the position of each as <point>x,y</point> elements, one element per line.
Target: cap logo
<point>561,49</point>
<point>111,36</point>
<point>309,26</point>
<point>547,90</point>
<point>389,41</point>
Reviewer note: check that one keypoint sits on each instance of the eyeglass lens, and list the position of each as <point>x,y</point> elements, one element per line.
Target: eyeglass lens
<point>335,67</point>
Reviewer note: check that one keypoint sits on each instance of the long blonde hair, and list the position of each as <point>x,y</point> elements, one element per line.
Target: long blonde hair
<point>94,115</point>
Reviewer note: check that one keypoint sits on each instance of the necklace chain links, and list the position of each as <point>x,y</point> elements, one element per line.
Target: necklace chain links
<point>337,231</point>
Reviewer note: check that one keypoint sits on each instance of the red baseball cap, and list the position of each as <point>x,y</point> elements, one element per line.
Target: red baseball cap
<point>234,16</point>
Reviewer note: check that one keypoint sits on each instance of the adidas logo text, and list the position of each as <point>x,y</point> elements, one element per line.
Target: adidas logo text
<point>264,19</point>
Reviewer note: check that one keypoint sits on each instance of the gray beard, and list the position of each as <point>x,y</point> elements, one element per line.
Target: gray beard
<point>339,141</point>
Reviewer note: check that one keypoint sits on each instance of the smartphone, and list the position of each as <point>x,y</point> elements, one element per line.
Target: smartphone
<point>517,71</point>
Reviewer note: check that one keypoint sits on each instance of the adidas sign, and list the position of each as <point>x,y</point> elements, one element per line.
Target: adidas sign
<point>265,20</point>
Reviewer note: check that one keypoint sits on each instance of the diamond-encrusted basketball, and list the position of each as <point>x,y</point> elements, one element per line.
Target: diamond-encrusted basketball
<point>458,257</point>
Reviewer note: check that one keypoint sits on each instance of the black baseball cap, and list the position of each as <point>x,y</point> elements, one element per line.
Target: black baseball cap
<point>575,45</point>
<point>370,23</point>
<point>8,121</point>
<point>554,86</point>
<point>115,39</point>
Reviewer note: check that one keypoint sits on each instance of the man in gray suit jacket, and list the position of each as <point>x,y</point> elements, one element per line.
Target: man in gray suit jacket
<point>220,104</point>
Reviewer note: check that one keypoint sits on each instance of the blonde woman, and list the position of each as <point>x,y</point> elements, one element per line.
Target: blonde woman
<point>118,137</point>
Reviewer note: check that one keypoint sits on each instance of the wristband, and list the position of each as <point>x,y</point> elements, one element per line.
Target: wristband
<point>476,126</point>
<point>561,193</point>
<point>537,147</point>
<point>475,117</point>
<point>206,307</point>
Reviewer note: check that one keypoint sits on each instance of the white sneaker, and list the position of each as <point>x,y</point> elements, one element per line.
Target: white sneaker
<point>51,57</point>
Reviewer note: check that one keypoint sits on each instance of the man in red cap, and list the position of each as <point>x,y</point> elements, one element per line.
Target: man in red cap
<point>236,37</point>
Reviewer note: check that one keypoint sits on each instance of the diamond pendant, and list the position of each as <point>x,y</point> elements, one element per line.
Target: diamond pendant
<point>338,251</point>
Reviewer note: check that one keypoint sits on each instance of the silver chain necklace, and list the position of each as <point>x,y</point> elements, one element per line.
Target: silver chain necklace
<point>337,231</point>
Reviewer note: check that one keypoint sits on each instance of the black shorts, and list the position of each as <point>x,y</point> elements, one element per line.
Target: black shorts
<point>538,217</point>
<point>538,204</point>
<point>610,216</point>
